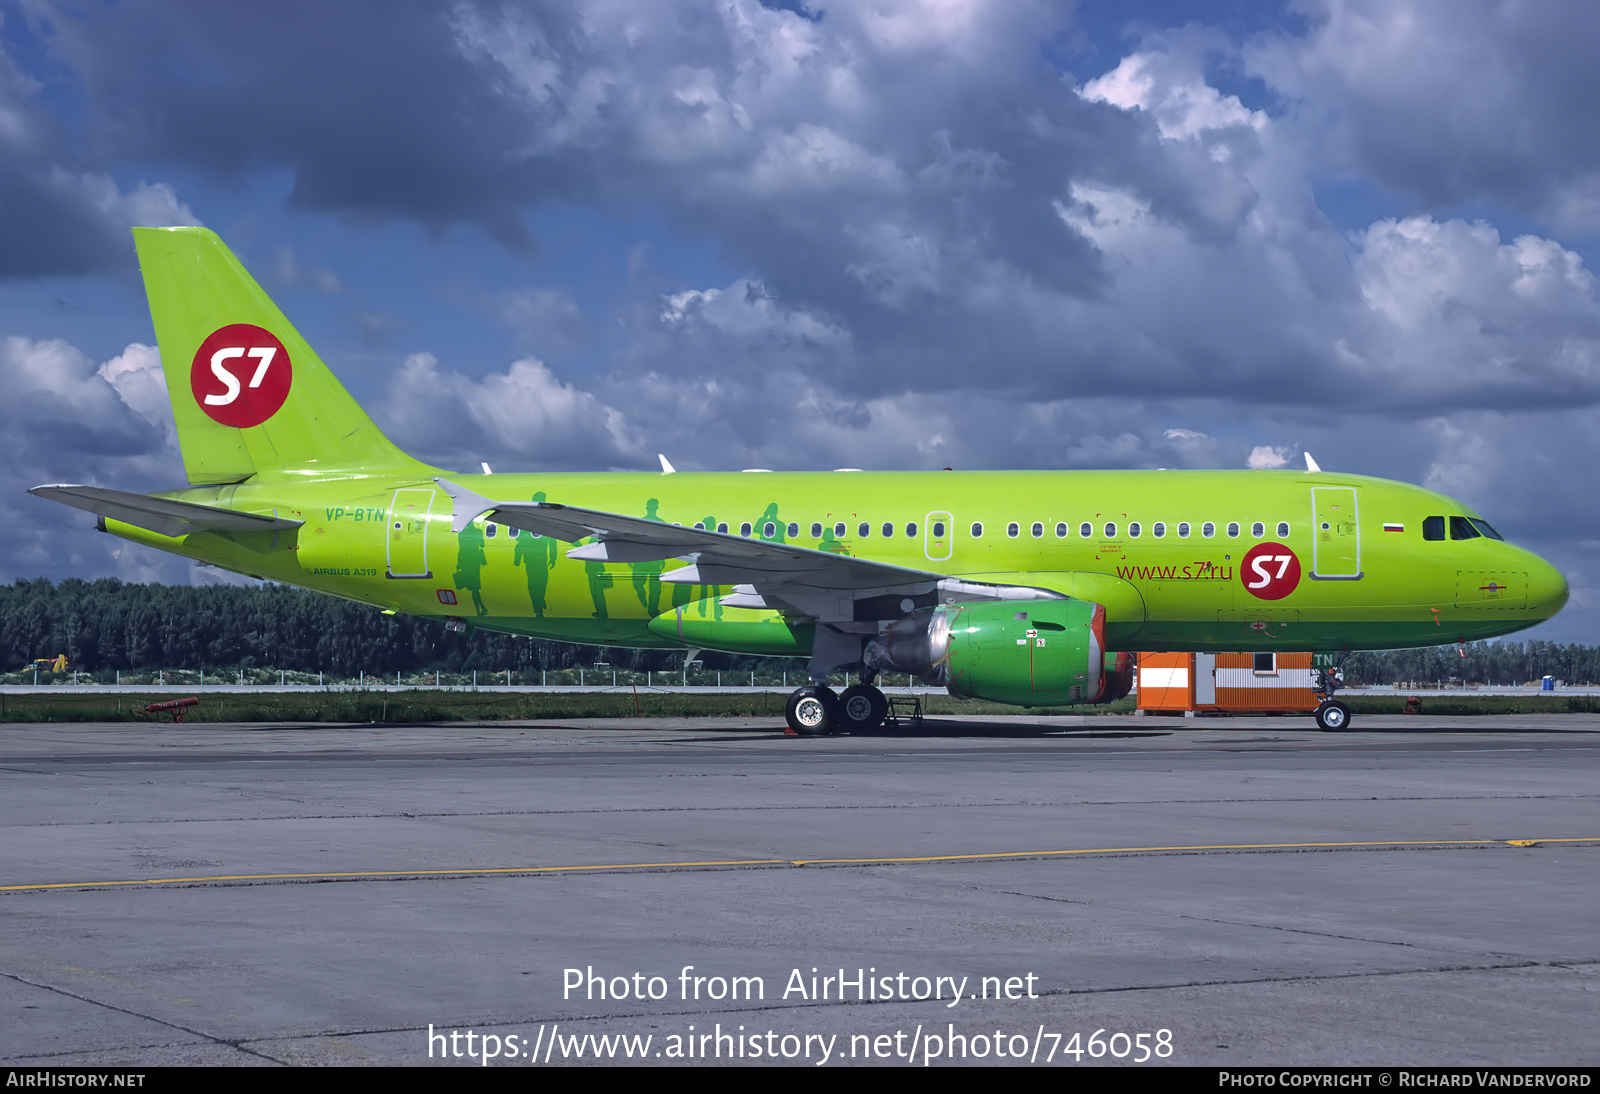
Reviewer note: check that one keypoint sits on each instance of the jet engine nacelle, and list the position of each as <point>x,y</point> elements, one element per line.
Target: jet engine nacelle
<point>1028,653</point>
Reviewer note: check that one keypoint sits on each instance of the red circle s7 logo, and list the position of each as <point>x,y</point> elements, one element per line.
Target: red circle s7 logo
<point>241,375</point>
<point>1270,571</point>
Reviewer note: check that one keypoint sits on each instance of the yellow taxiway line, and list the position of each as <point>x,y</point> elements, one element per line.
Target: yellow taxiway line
<point>879,860</point>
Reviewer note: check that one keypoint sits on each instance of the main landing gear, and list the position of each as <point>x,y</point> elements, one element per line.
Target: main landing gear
<point>815,710</point>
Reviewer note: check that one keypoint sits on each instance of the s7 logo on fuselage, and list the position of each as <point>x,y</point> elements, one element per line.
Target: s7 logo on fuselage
<point>1270,571</point>
<point>241,375</point>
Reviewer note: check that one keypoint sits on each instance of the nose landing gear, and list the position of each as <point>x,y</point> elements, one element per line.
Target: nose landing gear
<point>1332,715</point>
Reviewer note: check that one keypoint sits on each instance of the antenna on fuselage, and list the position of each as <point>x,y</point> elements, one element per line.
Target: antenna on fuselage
<point>1311,464</point>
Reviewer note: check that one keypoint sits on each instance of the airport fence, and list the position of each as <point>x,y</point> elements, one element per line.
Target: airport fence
<point>599,677</point>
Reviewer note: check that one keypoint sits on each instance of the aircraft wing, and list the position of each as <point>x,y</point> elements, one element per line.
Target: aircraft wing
<point>816,583</point>
<point>162,516</point>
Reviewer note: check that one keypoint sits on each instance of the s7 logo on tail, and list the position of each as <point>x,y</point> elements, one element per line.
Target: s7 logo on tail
<point>241,375</point>
<point>1270,571</point>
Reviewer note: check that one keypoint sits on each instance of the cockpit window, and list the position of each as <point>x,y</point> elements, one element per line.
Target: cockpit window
<point>1433,528</point>
<point>1483,526</point>
<point>1461,528</point>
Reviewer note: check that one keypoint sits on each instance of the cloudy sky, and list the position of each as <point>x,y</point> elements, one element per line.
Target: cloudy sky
<point>869,233</point>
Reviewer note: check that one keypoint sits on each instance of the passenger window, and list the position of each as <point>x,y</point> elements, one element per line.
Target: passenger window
<point>1461,528</point>
<point>1158,529</point>
<point>816,531</point>
<point>1233,530</point>
<point>1011,530</point>
<point>1208,529</point>
<point>1258,529</point>
<point>888,530</point>
<point>700,524</point>
<point>1183,529</point>
<point>863,530</point>
<point>1061,531</point>
<point>513,531</point>
<point>1111,530</point>
<point>977,529</point>
<point>744,529</point>
<point>794,530</point>
<point>723,528</point>
<point>1283,529</point>
<point>938,529</point>
<point>1133,530</point>
<point>838,530</point>
<point>1433,528</point>
<point>769,529</point>
<point>1086,530</point>
<point>490,529</point>
<point>911,530</point>
<point>1038,530</point>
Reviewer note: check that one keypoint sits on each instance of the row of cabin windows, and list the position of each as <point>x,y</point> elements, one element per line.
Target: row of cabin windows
<point>1460,528</point>
<point>770,529</point>
<point>1432,528</point>
<point>1135,530</point>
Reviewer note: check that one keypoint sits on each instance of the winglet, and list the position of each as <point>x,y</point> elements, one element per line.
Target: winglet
<point>468,505</point>
<point>1311,464</point>
<point>666,468</point>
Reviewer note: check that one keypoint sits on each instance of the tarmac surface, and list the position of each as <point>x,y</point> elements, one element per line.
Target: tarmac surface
<point>1248,891</point>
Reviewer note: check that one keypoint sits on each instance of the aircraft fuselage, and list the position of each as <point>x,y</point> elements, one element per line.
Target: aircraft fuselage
<point>1183,560</point>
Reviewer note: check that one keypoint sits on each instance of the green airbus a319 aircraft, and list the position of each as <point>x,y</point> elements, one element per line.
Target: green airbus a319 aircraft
<point>1028,588</point>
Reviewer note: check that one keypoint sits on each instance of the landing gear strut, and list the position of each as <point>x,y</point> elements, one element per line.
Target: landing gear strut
<point>1332,715</point>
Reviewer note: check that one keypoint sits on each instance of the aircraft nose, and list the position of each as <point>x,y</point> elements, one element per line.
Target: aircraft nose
<point>1547,589</point>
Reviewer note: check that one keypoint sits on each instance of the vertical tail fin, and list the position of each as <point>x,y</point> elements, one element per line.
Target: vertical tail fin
<point>249,394</point>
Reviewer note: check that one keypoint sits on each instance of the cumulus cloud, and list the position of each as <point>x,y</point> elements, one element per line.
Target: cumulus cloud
<point>1264,457</point>
<point>60,218</point>
<point>72,421</point>
<point>1460,318</point>
<point>1173,90</point>
<point>135,375</point>
<point>1481,99</point>
<point>524,417</point>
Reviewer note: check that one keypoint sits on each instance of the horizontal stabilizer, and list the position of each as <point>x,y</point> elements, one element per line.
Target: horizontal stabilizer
<point>162,516</point>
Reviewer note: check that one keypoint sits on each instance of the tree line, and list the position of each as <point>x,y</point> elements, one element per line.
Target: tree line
<point>108,624</point>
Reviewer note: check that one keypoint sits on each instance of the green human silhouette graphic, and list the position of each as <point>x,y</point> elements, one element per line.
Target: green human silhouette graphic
<point>470,561</point>
<point>702,593</point>
<point>770,515</point>
<point>647,575</point>
<point>599,582</point>
<point>537,555</point>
